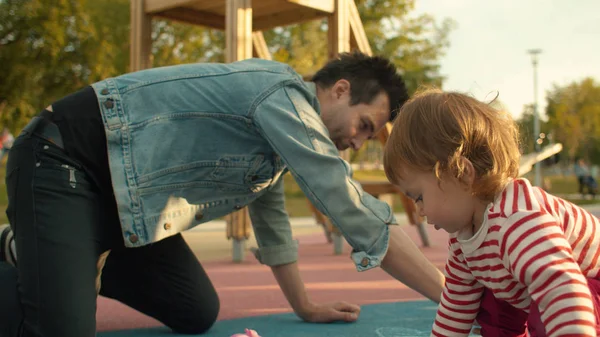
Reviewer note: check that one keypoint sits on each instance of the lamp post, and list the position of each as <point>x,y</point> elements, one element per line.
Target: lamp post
<point>536,118</point>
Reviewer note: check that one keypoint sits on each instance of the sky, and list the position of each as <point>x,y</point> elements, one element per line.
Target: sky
<point>488,48</point>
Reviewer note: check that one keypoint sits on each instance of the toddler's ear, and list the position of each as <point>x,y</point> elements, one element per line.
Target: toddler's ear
<point>468,172</point>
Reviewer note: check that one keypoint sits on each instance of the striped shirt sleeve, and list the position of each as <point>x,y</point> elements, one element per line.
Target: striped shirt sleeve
<point>460,299</point>
<point>540,257</point>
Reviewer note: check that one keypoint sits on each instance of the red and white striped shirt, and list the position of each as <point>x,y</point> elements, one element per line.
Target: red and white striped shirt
<point>531,246</point>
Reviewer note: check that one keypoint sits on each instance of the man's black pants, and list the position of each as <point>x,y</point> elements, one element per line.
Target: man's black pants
<point>62,224</point>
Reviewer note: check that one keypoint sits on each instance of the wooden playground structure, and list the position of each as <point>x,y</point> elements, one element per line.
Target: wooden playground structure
<point>243,22</point>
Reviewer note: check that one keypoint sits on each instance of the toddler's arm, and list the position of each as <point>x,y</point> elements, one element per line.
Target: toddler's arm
<point>460,300</point>
<point>540,257</point>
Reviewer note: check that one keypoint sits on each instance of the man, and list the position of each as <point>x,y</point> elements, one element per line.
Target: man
<point>124,166</point>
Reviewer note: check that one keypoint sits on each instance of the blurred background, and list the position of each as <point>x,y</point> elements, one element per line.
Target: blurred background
<point>537,57</point>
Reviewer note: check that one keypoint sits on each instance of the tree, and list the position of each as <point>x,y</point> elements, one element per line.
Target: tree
<point>50,48</point>
<point>43,54</point>
<point>414,44</point>
<point>574,115</point>
<point>111,37</point>
<point>527,137</point>
<point>177,43</point>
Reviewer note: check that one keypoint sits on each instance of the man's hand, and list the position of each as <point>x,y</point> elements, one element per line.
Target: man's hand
<point>330,312</point>
<point>288,277</point>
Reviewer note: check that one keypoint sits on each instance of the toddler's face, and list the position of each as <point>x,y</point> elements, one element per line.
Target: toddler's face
<point>447,204</point>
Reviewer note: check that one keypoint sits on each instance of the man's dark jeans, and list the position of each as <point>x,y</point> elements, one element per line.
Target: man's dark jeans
<point>62,224</point>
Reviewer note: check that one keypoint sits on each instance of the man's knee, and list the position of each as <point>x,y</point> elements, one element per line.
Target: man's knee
<point>10,305</point>
<point>196,319</point>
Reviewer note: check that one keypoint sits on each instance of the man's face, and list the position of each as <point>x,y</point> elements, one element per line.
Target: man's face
<point>351,125</point>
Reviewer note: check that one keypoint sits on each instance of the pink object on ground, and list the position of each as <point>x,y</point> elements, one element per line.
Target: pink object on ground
<point>248,333</point>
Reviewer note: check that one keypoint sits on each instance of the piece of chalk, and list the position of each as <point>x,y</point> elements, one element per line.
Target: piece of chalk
<point>248,333</point>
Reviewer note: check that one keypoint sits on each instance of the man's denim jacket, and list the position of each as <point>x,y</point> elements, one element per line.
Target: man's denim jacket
<point>191,143</point>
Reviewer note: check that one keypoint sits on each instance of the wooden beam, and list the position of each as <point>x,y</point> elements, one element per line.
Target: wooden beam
<point>238,30</point>
<point>326,6</point>
<point>260,46</point>
<point>194,17</point>
<point>214,6</point>
<point>238,46</point>
<point>141,37</point>
<point>357,30</point>
<point>157,6</point>
<point>285,18</point>
<point>339,29</point>
<point>339,39</point>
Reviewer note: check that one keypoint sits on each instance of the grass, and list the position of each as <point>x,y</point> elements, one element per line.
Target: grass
<point>297,204</point>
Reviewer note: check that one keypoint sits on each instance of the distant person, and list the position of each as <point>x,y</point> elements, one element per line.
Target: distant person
<point>6,141</point>
<point>518,256</point>
<point>584,177</point>
<point>116,171</point>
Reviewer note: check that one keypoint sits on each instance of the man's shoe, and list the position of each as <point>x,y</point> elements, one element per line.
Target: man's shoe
<point>8,251</point>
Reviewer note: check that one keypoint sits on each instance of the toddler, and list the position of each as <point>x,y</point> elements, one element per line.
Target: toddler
<point>519,258</point>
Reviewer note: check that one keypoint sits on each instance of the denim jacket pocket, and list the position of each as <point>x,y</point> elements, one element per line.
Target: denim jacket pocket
<point>237,173</point>
<point>261,174</point>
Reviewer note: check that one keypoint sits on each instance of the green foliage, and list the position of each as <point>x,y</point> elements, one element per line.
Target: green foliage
<point>414,44</point>
<point>50,48</point>
<point>44,52</point>
<point>110,19</point>
<point>574,117</point>
<point>177,43</point>
<point>525,124</point>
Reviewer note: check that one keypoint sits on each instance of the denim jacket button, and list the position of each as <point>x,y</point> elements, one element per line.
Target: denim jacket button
<point>167,226</point>
<point>364,262</point>
<point>104,91</point>
<point>199,216</point>
<point>133,238</point>
<point>109,103</point>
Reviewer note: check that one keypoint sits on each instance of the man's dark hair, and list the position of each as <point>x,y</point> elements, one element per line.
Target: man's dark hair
<point>368,76</point>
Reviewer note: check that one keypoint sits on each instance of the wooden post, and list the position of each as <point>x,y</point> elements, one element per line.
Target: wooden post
<point>339,42</point>
<point>261,49</point>
<point>359,38</point>
<point>238,44</point>
<point>339,29</point>
<point>141,37</point>
<point>238,30</point>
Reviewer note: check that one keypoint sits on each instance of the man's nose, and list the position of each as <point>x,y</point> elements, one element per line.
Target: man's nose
<point>356,143</point>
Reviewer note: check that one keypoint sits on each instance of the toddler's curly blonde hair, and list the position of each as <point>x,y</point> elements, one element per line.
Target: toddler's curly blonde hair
<point>434,129</point>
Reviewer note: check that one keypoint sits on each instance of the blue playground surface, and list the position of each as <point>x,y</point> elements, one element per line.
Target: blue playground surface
<point>401,319</point>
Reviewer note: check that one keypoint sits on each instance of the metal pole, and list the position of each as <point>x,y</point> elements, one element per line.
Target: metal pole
<point>536,118</point>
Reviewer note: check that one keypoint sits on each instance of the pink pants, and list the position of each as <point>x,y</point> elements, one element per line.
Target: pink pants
<point>500,319</point>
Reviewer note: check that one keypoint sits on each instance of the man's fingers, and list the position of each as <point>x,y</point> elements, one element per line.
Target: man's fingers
<point>350,317</point>
<point>347,312</point>
<point>347,307</point>
<point>343,316</point>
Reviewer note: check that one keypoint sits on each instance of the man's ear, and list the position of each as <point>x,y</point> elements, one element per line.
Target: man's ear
<point>340,88</point>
